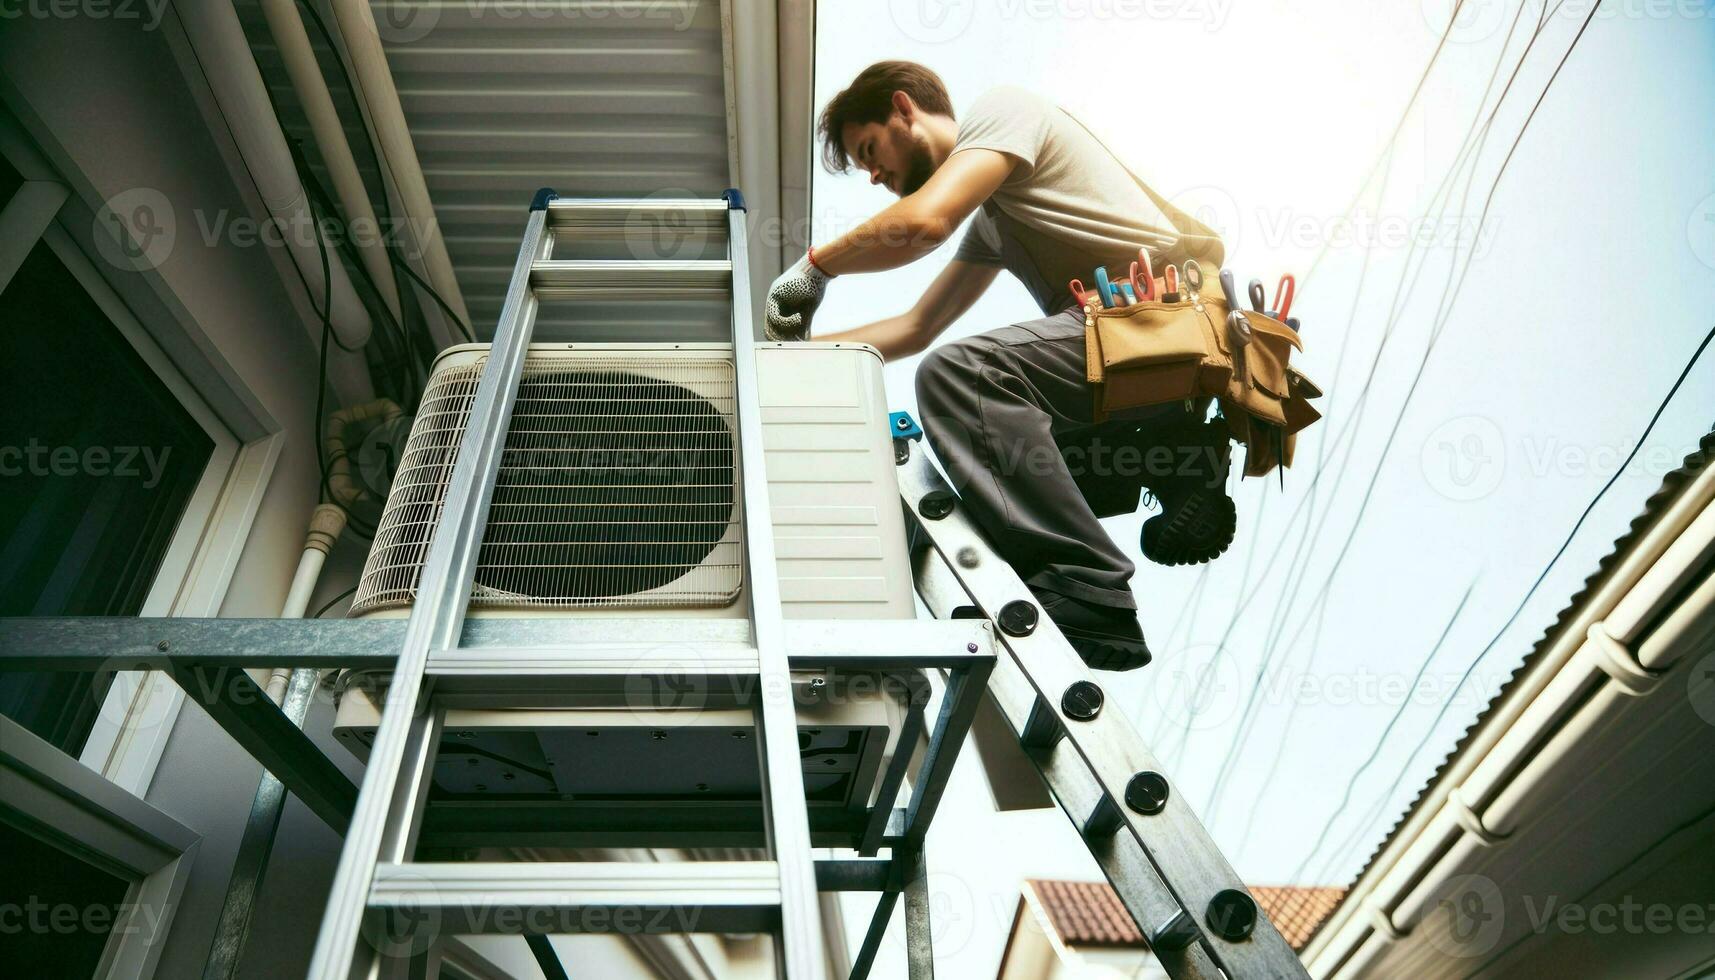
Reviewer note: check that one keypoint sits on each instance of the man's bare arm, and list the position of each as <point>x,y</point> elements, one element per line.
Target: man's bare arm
<point>946,299</point>
<point>918,223</point>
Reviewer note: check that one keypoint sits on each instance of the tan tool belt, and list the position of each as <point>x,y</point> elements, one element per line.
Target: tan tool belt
<point>1153,353</point>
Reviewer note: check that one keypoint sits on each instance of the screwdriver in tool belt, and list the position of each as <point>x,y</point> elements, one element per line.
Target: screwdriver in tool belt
<point>1105,287</point>
<point>1237,325</point>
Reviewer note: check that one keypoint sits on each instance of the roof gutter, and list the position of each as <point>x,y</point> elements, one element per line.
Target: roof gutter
<point>1641,622</point>
<point>236,84</point>
<point>287,28</point>
<point>420,233</point>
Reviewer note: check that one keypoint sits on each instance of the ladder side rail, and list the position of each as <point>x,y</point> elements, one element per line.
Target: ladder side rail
<point>1075,789</point>
<point>437,616</point>
<point>785,813</point>
<point>1190,866</point>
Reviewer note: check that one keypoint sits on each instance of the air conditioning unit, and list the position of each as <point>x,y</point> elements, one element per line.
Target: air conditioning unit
<point>618,497</point>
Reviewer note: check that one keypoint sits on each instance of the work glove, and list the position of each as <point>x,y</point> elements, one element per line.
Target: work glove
<point>792,300</point>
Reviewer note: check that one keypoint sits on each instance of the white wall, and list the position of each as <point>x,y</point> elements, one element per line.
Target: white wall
<point>107,103</point>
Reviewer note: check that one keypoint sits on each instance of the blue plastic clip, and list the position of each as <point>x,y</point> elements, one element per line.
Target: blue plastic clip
<point>902,426</point>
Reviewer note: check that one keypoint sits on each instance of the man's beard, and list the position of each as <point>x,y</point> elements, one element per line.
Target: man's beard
<point>920,169</point>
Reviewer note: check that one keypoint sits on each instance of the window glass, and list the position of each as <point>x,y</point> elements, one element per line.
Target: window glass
<point>10,181</point>
<point>61,909</point>
<point>97,463</point>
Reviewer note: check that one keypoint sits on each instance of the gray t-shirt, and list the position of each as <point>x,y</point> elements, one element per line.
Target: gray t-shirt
<point>1067,207</point>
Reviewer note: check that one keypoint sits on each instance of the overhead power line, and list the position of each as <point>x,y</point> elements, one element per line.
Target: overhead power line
<point>1552,561</point>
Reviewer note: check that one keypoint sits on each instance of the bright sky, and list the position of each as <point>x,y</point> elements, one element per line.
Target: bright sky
<point>1590,284</point>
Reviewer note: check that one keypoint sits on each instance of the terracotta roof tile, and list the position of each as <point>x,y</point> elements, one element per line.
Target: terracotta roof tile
<point>1089,913</point>
<point>1297,910</point>
<point>1086,912</point>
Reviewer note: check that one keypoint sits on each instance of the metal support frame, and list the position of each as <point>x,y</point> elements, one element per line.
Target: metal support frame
<point>381,900</point>
<point>257,843</point>
<point>1197,916</point>
<point>236,703</point>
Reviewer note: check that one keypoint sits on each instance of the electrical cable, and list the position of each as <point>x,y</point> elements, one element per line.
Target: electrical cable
<point>1444,310</point>
<point>334,602</point>
<point>1280,743</point>
<point>1552,561</point>
<point>1296,567</point>
<point>356,524</point>
<point>1375,750</point>
<point>1393,138</point>
<point>1443,314</point>
<point>1194,708</point>
<point>1384,155</point>
<point>1187,615</point>
<point>370,143</point>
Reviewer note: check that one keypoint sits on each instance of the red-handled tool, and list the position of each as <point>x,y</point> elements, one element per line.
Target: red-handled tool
<point>1082,295</point>
<point>1144,284</point>
<point>1171,275</point>
<point>1283,296</point>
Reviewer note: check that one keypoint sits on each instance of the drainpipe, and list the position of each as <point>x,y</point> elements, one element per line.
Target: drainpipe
<point>301,65</point>
<point>399,157</point>
<point>326,523</point>
<point>224,55</point>
<point>293,691</point>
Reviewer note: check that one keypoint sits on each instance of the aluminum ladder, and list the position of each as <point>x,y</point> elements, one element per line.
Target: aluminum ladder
<point>377,887</point>
<point>1198,918</point>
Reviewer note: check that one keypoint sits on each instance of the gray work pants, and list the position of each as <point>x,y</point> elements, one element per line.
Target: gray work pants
<point>992,406</point>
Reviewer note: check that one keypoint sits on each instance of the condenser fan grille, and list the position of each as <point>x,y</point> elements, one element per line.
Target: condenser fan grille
<point>617,487</point>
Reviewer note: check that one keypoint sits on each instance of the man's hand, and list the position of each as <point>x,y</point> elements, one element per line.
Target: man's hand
<point>792,300</point>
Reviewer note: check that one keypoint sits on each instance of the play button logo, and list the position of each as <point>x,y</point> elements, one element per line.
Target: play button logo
<point>932,21</point>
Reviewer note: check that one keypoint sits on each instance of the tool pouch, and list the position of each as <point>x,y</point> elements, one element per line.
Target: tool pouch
<point>1155,353</point>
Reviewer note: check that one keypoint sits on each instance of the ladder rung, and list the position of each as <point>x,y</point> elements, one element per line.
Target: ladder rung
<point>594,896</point>
<point>640,278</point>
<point>1042,729</point>
<point>641,216</point>
<point>1104,819</point>
<point>810,643</point>
<point>596,661</point>
<point>633,676</point>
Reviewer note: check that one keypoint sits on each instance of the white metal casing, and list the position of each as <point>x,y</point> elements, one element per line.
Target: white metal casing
<point>840,545</point>
<point>839,533</point>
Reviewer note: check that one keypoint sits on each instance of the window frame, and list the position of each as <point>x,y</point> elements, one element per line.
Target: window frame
<point>138,713</point>
<point>112,829</point>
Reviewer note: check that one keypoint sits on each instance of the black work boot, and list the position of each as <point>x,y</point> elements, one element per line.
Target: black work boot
<point>1197,518</point>
<point>1107,637</point>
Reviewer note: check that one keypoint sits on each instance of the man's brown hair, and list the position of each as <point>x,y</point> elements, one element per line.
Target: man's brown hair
<point>869,98</point>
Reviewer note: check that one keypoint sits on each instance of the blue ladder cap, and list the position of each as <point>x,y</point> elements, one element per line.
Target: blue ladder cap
<point>734,200</point>
<point>543,196</point>
<point>902,426</point>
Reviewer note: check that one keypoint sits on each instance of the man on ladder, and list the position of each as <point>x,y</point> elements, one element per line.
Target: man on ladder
<point>1051,204</point>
